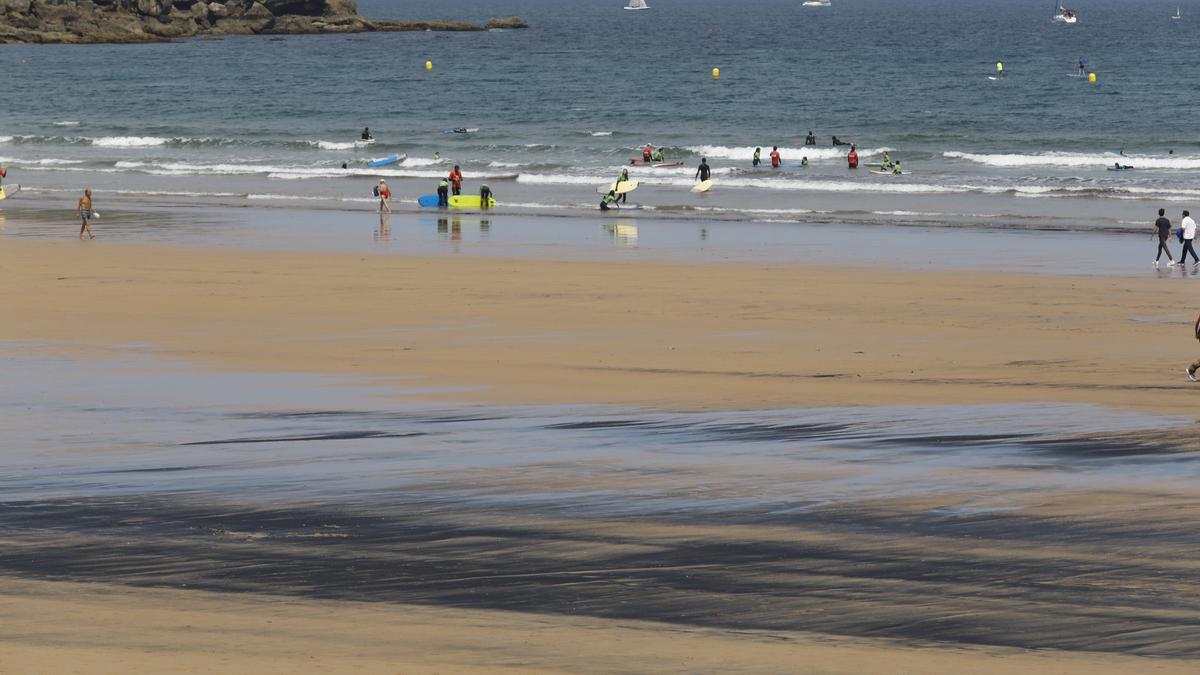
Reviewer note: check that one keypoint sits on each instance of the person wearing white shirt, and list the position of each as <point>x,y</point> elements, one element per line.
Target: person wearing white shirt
<point>1189,233</point>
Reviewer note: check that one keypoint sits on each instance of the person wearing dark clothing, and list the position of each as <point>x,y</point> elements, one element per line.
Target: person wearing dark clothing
<point>443,193</point>
<point>1188,227</point>
<point>810,139</point>
<point>1162,227</point>
<point>703,171</point>
<point>485,196</point>
<point>366,134</point>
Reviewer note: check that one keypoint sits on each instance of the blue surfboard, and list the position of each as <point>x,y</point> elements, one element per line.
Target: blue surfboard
<point>427,200</point>
<point>386,160</point>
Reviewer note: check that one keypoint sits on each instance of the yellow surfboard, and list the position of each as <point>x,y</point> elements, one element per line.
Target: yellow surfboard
<point>9,190</point>
<point>621,188</point>
<point>469,202</point>
<point>702,186</point>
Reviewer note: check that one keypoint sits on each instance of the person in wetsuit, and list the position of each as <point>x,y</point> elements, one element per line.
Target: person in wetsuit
<point>703,171</point>
<point>810,139</point>
<point>366,134</point>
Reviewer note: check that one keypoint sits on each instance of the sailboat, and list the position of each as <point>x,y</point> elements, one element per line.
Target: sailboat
<point>1064,15</point>
<point>637,4</point>
<point>1177,16</point>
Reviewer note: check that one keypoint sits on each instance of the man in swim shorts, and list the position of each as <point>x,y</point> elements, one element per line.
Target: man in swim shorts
<point>84,210</point>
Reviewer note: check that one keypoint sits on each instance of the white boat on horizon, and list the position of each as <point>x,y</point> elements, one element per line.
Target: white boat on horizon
<point>1064,15</point>
<point>637,4</point>
<point>1178,15</point>
<point>815,3</point>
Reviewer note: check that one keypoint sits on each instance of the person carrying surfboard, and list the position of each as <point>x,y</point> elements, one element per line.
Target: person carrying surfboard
<point>624,177</point>
<point>852,158</point>
<point>703,171</point>
<point>776,160</point>
<point>757,157</point>
<point>456,179</point>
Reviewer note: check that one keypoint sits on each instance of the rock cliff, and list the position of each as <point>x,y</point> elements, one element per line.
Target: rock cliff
<point>88,21</point>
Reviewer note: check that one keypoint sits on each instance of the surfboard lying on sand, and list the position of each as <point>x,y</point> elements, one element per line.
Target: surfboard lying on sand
<point>469,202</point>
<point>621,188</point>
<point>387,160</point>
<point>702,186</point>
<point>427,200</point>
<point>9,190</point>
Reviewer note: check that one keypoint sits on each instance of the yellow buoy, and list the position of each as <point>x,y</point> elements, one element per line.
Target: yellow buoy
<point>716,72</point>
<point>429,65</point>
<point>1092,78</point>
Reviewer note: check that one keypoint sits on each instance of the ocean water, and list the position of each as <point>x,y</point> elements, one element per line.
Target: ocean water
<point>560,108</point>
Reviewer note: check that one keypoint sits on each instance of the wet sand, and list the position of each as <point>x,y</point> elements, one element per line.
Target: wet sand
<point>990,543</point>
<point>525,330</point>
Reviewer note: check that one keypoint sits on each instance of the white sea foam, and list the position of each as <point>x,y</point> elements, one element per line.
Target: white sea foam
<point>338,145</point>
<point>45,161</point>
<point>1078,159</point>
<point>602,133</point>
<point>789,154</point>
<point>66,123</point>
<point>6,139</point>
<point>421,161</point>
<point>888,187</point>
<point>129,141</point>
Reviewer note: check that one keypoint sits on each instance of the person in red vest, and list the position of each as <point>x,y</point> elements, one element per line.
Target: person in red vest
<point>776,160</point>
<point>455,178</point>
<point>647,154</point>
<point>852,158</point>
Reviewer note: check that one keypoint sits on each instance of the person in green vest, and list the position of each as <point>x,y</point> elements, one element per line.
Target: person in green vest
<point>658,155</point>
<point>999,69</point>
<point>609,201</point>
<point>757,157</point>
<point>896,168</point>
<point>623,178</point>
<point>443,193</point>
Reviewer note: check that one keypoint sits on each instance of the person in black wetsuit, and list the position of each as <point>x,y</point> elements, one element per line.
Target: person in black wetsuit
<point>1162,227</point>
<point>703,171</point>
<point>810,139</point>
<point>366,134</point>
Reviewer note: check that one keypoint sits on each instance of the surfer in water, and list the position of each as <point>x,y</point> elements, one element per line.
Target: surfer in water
<point>776,160</point>
<point>366,134</point>
<point>804,162</point>
<point>810,139</point>
<point>84,211</point>
<point>896,168</point>
<point>658,155</point>
<point>1080,66</point>
<point>999,70</point>
<point>623,178</point>
<point>852,158</point>
<point>837,141</point>
<point>757,157</point>
<point>647,154</point>
<point>703,171</point>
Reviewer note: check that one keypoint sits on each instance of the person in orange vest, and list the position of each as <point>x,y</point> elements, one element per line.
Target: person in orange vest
<point>455,179</point>
<point>776,160</point>
<point>647,154</point>
<point>852,158</point>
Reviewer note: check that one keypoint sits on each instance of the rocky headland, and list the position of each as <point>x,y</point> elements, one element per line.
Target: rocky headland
<point>92,21</point>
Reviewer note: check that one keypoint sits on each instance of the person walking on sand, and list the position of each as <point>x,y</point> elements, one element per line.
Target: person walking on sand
<point>385,196</point>
<point>1191,370</point>
<point>1189,233</point>
<point>1162,227</point>
<point>84,210</point>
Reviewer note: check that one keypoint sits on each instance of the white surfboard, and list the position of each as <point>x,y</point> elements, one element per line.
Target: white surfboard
<point>702,186</point>
<point>9,190</point>
<point>620,188</point>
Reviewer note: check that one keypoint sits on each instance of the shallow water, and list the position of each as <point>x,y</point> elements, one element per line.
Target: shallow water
<point>561,107</point>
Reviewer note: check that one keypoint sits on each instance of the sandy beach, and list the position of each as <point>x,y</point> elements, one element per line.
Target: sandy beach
<point>1001,570</point>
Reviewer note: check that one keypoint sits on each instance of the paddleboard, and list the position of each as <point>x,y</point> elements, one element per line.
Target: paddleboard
<point>667,165</point>
<point>387,160</point>
<point>992,77</point>
<point>427,200</point>
<point>1122,168</point>
<point>469,202</point>
<point>460,130</point>
<point>621,188</point>
<point>702,186</point>
<point>9,190</point>
<point>890,173</point>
